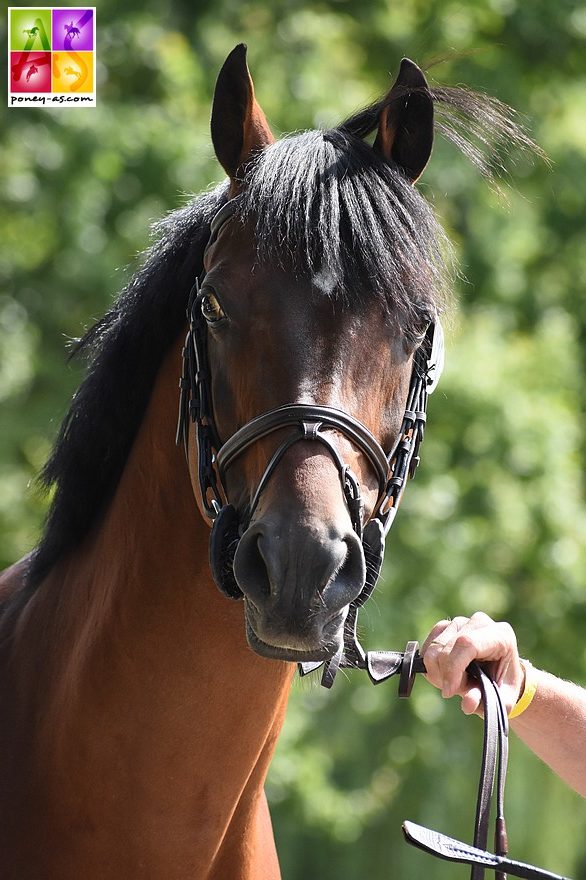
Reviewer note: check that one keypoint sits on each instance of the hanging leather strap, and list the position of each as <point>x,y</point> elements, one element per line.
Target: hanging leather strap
<point>494,764</point>
<point>452,850</point>
<point>493,771</point>
<point>382,665</point>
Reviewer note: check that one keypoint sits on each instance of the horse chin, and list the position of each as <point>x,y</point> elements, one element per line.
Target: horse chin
<point>289,653</point>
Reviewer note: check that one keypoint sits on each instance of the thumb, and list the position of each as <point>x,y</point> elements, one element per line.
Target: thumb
<point>472,700</point>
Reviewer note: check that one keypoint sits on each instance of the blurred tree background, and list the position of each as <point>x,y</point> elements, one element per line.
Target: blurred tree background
<point>496,518</point>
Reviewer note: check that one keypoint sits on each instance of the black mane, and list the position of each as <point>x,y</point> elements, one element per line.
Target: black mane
<point>125,349</point>
<point>323,202</point>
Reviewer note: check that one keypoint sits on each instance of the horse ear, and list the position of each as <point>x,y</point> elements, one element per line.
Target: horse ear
<point>239,127</point>
<point>405,130</point>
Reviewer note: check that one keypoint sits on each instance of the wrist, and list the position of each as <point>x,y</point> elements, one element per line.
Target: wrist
<point>527,690</point>
<point>520,679</point>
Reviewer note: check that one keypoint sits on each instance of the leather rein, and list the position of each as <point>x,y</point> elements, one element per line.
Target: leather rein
<point>310,422</point>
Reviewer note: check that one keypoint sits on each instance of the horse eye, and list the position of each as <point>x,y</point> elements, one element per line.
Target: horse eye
<point>211,308</point>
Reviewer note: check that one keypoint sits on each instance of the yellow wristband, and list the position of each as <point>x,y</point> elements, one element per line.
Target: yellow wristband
<point>529,690</point>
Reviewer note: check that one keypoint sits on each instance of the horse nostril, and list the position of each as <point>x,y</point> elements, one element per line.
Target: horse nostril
<point>260,565</point>
<point>250,566</point>
<point>348,581</point>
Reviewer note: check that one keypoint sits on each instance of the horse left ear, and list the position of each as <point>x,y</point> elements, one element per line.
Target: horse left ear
<point>405,129</point>
<point>239,126</point>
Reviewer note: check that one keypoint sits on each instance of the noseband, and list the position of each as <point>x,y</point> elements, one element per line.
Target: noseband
<point>304,422</point>
<point>310,422</point>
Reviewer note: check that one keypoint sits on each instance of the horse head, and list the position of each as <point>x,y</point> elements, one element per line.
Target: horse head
<point>320,285</point>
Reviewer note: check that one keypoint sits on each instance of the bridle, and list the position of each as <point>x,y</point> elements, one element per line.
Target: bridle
<point>310,422</point>
<point>304,422</point>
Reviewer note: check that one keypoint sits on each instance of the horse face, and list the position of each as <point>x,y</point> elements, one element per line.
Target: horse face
<point>278,337</point>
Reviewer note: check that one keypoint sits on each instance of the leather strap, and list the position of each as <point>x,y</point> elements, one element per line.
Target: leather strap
<point>493,767</point>
<point>494,754</point>
<point>382,665</point>
<point>220,217</point>
<point>309,430</point>
<point>296,414</point>
<point>453,850</point>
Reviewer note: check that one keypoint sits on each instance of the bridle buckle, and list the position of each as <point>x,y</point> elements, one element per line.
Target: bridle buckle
<point>310,430</point>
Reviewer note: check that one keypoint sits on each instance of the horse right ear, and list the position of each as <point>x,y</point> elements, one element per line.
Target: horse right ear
<point>239,126</point>
<point>405,129</point>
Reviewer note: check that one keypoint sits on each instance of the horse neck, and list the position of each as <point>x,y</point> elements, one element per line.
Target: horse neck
<point>134,640</point>
<point>143,576</point>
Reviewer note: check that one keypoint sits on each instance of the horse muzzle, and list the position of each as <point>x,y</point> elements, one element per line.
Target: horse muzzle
<point>298,582</point>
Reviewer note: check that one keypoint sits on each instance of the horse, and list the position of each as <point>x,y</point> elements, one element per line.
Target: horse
<point>72,31</point>
<point>141,706</point>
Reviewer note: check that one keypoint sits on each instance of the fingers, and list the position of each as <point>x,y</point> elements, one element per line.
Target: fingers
<point>435,632</point>
<point>444,657</point>
<point>452,645</point>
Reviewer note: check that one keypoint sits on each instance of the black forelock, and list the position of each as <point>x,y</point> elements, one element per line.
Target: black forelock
<point>327,206</point>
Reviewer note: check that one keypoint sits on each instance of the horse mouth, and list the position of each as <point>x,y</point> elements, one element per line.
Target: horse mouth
<point>288,653</point>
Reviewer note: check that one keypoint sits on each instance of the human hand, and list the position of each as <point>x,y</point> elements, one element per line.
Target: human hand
<point>453,644</point>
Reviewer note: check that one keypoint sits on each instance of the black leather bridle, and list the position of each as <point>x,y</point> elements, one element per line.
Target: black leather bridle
<point>304,422</point>
<point>310,422</point>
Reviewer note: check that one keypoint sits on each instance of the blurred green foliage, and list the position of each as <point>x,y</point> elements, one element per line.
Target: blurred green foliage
<point>496,518</point>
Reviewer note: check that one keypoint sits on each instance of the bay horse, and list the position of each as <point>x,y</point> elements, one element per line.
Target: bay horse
<point>137,723</point>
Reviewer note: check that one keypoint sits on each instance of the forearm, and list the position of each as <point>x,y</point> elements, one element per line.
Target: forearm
<point>554,727</point>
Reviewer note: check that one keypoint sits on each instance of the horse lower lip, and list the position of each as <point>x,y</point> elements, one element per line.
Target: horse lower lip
<point>293,655</point>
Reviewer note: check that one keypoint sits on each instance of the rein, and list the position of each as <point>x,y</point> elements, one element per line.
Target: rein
<point>310,422</point>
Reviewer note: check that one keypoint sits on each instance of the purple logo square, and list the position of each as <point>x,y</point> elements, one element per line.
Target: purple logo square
<point>73,29</point>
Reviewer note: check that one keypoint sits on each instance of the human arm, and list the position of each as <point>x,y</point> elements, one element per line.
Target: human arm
<point>553,725</point>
